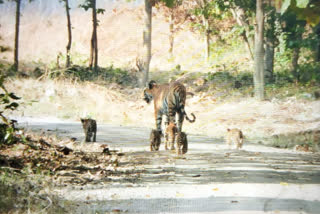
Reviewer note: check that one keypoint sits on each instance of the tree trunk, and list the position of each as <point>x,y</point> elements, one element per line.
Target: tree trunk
<point>269,60</point>
<point>318,45</point>
<point>239,15</point>
<point>69,34</point>
<point>95,21</point>
<point>16,41</point>
<point>147,31</point>
<point>205,22</point>
<point>294,62</point>
<point>171,36</point>
<point>94,41</point>
<point>259,53</point>
<point>270,45</point>
<point>91,50</point>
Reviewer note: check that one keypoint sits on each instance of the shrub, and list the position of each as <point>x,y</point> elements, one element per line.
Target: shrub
<point>108,74</point>
<point>7,102</point>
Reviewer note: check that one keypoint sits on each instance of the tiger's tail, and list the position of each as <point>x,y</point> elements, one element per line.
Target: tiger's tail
<point>191,121</point>
<point>185,114</point>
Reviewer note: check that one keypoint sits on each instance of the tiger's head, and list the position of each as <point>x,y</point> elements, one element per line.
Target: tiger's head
<point>147,92</point>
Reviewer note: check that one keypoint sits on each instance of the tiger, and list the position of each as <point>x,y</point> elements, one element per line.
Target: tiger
<point>235,136</point>
<point>170,136</point>
<point>169,100</point>
<point>155,140</point>
<point>90,129</point>
<point>181,143</point>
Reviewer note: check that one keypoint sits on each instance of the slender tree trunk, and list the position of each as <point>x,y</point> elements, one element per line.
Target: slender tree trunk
<point>294,62</point>
<point>16,41</point>
<point>95,21</point>
<point>147,32</point>
<point>69,34</point>
<point>259,53</point>
<point>238,14</point>
<point>205,22</point>
<point>296,53</point>
<point>318,45</point>
<point>94,42</point>
<point>269,60</point>
<point>171,36</point>
<point>270,45</point>
<point>208,44</point>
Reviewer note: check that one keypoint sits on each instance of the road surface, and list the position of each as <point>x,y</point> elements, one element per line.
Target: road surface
<point>210,178</point>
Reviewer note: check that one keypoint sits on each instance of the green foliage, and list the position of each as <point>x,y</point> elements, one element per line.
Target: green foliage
<point>88,4</point>
<point>243,79</point>
<point>306,10</point>
<point>7,103</point>
<point>309,73</point>
<point>211,11</point>
<point>220,76</point>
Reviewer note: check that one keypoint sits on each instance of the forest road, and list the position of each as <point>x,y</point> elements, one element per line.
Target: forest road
<point>210,178</point>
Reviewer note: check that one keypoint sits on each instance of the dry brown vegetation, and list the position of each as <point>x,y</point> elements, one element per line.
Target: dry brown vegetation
<point>119,38</point>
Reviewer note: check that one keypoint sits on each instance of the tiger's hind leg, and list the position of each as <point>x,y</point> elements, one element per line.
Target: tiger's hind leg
<point>166,137</point>
<point>158,117</point>
<point>94,136</point>
<point>180,120</point>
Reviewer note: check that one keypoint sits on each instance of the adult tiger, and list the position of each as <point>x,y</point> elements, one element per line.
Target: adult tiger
<point>169,99</point>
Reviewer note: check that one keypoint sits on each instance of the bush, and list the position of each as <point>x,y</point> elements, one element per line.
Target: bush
<point>222,76</point>
<point>243,79</point>
<point>309,73</point>
<point>7,102</point>
<point>108,74</point>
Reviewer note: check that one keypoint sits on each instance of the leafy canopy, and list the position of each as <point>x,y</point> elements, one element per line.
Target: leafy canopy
<point>307,10</point>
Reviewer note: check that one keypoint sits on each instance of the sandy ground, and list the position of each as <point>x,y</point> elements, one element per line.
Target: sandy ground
<point>209,178</point>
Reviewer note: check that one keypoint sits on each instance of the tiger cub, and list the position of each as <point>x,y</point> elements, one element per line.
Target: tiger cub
<point>90,129</point>
<point>235,136</point>
<point>155,140</point>
<point>182,143</point>
<point>170,136</point>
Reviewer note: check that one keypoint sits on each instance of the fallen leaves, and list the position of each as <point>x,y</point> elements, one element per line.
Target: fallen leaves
<point>284,184</point>
<point>179,195</point>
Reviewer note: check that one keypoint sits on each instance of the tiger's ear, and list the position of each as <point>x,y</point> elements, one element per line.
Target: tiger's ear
<point>151,84</point>
<point>82,120</point>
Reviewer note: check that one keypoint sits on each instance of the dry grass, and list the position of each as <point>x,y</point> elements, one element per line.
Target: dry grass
<point>43,37</point>
<point>72,100</point>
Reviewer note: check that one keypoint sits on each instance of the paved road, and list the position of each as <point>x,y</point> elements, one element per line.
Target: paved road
<point>209,178</point>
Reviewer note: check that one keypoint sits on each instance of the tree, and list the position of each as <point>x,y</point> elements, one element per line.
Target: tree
<point>240,14</point>
<point>178,15</point>
<point>147,36</point>
<point>91,4</point>
<point>16,39</point>
<point>317,31</point>
<point>147,44</point>
<point>68,47</point>
<point>208,13</point>
<point>259,52</point>
<point>304,10</point>
<point>270,41</point>
<point>17,31</point>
